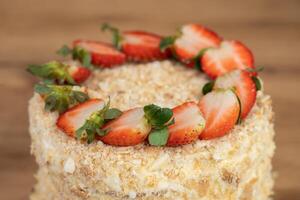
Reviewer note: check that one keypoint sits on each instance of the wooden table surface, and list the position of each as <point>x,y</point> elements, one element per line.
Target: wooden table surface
<point>30,33</point>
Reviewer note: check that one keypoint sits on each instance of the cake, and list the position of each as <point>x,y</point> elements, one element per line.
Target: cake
<point>220,147</point>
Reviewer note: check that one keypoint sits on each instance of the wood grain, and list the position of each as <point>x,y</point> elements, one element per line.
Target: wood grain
<point>30,31</point>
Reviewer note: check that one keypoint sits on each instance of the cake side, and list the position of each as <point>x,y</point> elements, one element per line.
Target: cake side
<point>236,166</point>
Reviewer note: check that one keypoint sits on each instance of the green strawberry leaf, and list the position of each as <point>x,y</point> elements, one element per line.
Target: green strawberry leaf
<point>59,97</point>
<point>197,59</point>
<point>90,138</point>
<point>83,56</point>
<point>256,70</point>
<point>48,81</point>
<point>117,38</point>
<point>64,51</point>
<point>208,87</point>
<point>101,132</point>
<point>157,116</point>
<point>256,82</point>
<point>50,103</point>
<point>62,105</point>
<point>42,89</point>
<point>77,53</point>
<point>91,127</point>
<point>158,137</point>
<point>112,113</point>
<point>79,96</point>
<point>166,42</point>
<point>159,119</point>
<point>52,72</point>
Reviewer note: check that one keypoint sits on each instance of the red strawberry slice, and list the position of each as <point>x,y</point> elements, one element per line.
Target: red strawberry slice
<point>102,54</point>
<point>193,39</point>
<point>221,111</point>
<point>142,46</point>
<point>244,86</point>
<point>75,117</point>
<point>189,124</point>
<point>230,55</point>
<point>78,73</point>
<point>131,128</point>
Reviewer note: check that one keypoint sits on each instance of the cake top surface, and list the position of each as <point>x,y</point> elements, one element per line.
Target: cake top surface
<point>165,83</point>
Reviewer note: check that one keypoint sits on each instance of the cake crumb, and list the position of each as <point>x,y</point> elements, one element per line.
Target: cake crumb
<point>132,194</point>
<point>69,166</point>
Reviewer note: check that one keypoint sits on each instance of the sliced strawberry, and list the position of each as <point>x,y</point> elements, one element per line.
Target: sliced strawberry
<point>78,73</point>
<point>230,55</point>
<point>131,128</point>
<point>193,39</point>
<point>75,117</point>
<point>102,54</point>
<point>189,124</point>
<point>221,111</point>
<point>142,46</point>
<point>245,88</point>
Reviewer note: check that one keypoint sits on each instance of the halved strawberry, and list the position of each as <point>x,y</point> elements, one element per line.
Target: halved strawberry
<point>221,110</point>
<point>102,54</point>
<point>193,39</point>
<point>229,56</point>
<point>142,46</point>
<point>74,118</point>
<point>78,73</point>
<point>131,128</point>
<point>244,86</point>
<point>189,124</point>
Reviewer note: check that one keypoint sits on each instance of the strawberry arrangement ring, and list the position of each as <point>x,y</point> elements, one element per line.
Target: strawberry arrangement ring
<point>228,97</point>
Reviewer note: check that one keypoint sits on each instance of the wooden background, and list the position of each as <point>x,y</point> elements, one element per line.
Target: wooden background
<point>30,32</point>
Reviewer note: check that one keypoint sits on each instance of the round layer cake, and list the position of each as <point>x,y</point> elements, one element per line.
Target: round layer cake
<point>235,166</point>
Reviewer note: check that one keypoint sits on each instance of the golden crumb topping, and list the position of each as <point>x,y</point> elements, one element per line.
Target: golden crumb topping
<point>163,83</point>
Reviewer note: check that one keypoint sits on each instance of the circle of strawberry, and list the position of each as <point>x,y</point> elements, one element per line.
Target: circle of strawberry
<point>75,117</point>
<point>131,128</point>
<point>193,39</point>
<point>188,124</point>
<point>78,73</point>
<point>221,110</point>
<point>228,56</point>
<point>227,99</point>
<point>138,45</point>
<point>191,42</point>
<point>243,85</point>
<point>142,46</point>
<point>84,121</point>
<point>101,54</point>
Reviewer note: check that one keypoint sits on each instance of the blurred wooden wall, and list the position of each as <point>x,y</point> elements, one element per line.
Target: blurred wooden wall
<point>31,31</point>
